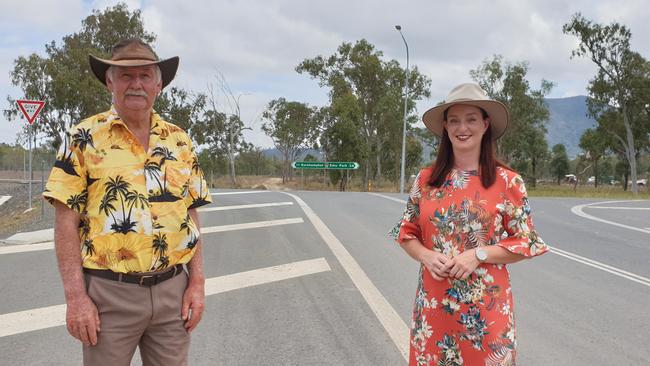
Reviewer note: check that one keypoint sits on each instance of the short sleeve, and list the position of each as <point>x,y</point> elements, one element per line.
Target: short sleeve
<point>408,227</point>
<point>516,225</point>
<point>199,192</point>
<point>67,181</point>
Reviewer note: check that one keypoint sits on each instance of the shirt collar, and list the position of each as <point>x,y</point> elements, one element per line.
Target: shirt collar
<point>158,126</point>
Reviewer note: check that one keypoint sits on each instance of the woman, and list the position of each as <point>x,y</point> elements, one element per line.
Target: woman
<point>466,217</point>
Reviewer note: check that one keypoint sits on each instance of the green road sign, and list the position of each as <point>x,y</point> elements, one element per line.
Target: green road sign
<point>341,165</point>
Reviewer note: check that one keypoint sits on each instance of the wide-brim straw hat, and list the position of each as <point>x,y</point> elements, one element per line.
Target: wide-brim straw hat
<point>470,94</point>
<point>134,53</point>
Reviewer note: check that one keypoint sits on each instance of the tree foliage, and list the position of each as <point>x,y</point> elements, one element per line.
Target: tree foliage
<point>62,76</point>
<point>620,85</point>
<point>559,162</point>
<point>292,127</point>
<point>524,142</point>
<point>366,91</point>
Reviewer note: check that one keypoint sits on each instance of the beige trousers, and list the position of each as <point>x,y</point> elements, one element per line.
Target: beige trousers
<point>132,315</point>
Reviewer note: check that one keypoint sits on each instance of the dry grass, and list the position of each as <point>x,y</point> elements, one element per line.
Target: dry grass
<point>607,192</point>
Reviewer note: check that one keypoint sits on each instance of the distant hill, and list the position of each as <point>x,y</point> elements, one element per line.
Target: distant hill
<point>568,120</point>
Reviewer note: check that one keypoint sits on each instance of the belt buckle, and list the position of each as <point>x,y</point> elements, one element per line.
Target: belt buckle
<point>142,278</point>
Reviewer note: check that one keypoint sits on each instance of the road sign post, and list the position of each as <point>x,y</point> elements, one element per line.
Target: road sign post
<point>30,109</point>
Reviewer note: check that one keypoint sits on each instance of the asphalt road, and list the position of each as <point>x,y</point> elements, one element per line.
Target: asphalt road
<point>326,286</point>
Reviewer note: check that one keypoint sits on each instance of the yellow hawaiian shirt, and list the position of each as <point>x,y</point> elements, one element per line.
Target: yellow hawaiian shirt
<point>133,204</point>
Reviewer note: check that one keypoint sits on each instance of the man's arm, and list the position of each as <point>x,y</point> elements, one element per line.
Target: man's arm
<point>194,297</point>
<point>82,318</point>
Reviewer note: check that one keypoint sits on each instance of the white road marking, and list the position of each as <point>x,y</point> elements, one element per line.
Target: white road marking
<point>388,317</point>
<point>10,249</point>
<point>4,199</point>
<point>261,276</point>
<point>250,225</point>
<point>586,261</point>
<point>242,192</point>
<point>54,316</point>
<point>602,266</point>
<point>239,207</point>
<point>33,319</point>
<point>621,208</point>
<point>389,198</point>
<point>37,236</point>
<point>578,211</point>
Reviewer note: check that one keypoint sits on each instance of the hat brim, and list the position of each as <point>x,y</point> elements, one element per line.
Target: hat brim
<point>497,113</point>
<point>168,67</point>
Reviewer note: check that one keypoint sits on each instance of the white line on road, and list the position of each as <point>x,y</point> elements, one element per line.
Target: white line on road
<point>265,275</point>
<point>54,316</point>
<point>389,198</point>
<point>250,225</point>
<point>621,208</point>
<point>4,199</point>
<point>239,207</point>
<point>586,261</point>
<point>388,317</point>
<point>237,192</point>
<point>10,249</point>
<point>578,211</point>
<point>602,266</point>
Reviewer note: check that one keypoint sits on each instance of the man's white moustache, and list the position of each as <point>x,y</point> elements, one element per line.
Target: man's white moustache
<point>137,93</point>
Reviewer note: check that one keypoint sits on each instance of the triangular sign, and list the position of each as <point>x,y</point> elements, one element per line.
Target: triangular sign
<point>30,108</point>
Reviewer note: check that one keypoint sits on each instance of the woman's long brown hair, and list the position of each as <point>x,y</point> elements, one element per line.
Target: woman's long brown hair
<point>488,162</point>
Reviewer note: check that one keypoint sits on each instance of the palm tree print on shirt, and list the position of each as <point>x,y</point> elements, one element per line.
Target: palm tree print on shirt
<point>154,170</point>
<point>117,189</point>
<point>160,248</point>
<point>201,199</point>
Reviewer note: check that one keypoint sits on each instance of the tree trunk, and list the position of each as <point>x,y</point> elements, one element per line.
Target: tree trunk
<point>378,162</point>
<point>596,173</point>
<point>231,157</point>
<point>534,166</point>
<point>630,150</point>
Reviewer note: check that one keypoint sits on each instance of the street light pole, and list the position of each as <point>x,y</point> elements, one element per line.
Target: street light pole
<point>406,98</point>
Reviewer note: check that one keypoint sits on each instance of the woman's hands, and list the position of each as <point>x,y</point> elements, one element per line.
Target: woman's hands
<point>462,265</point>
<point>436,263</point>
<point>440,266</point>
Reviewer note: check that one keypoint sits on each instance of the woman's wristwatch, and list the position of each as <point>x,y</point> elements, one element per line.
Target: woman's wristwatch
<point>481,254</point>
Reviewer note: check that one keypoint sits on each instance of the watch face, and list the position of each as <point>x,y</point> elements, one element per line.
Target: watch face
<point>481,254</point>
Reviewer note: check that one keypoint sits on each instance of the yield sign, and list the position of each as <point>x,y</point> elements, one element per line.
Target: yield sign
<point>30,108</point>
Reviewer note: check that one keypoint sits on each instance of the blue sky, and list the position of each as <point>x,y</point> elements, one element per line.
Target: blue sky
<point>257,44</point>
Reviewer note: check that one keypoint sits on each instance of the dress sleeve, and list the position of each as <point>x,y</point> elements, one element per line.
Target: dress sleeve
<point>408,227</point>
<point>67,182</point>
<point>518,233</point>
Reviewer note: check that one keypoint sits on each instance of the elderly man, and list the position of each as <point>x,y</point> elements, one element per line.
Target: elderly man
<point>126,185</point>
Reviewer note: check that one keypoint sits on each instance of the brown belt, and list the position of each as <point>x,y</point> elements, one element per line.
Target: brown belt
<point>145,280</point>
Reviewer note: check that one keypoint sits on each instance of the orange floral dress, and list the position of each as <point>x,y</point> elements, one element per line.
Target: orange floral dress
<point>467,322</point>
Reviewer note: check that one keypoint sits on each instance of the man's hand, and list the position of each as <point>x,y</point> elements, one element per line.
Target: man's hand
<point>462,265</point>
<point>436,263</point>
<point>82,319</point>
<point>193,305</point>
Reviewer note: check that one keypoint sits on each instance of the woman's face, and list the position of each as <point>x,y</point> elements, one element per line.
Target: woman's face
<point>465,126</point>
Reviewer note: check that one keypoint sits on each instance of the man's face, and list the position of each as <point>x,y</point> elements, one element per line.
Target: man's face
<point>134,88</point>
